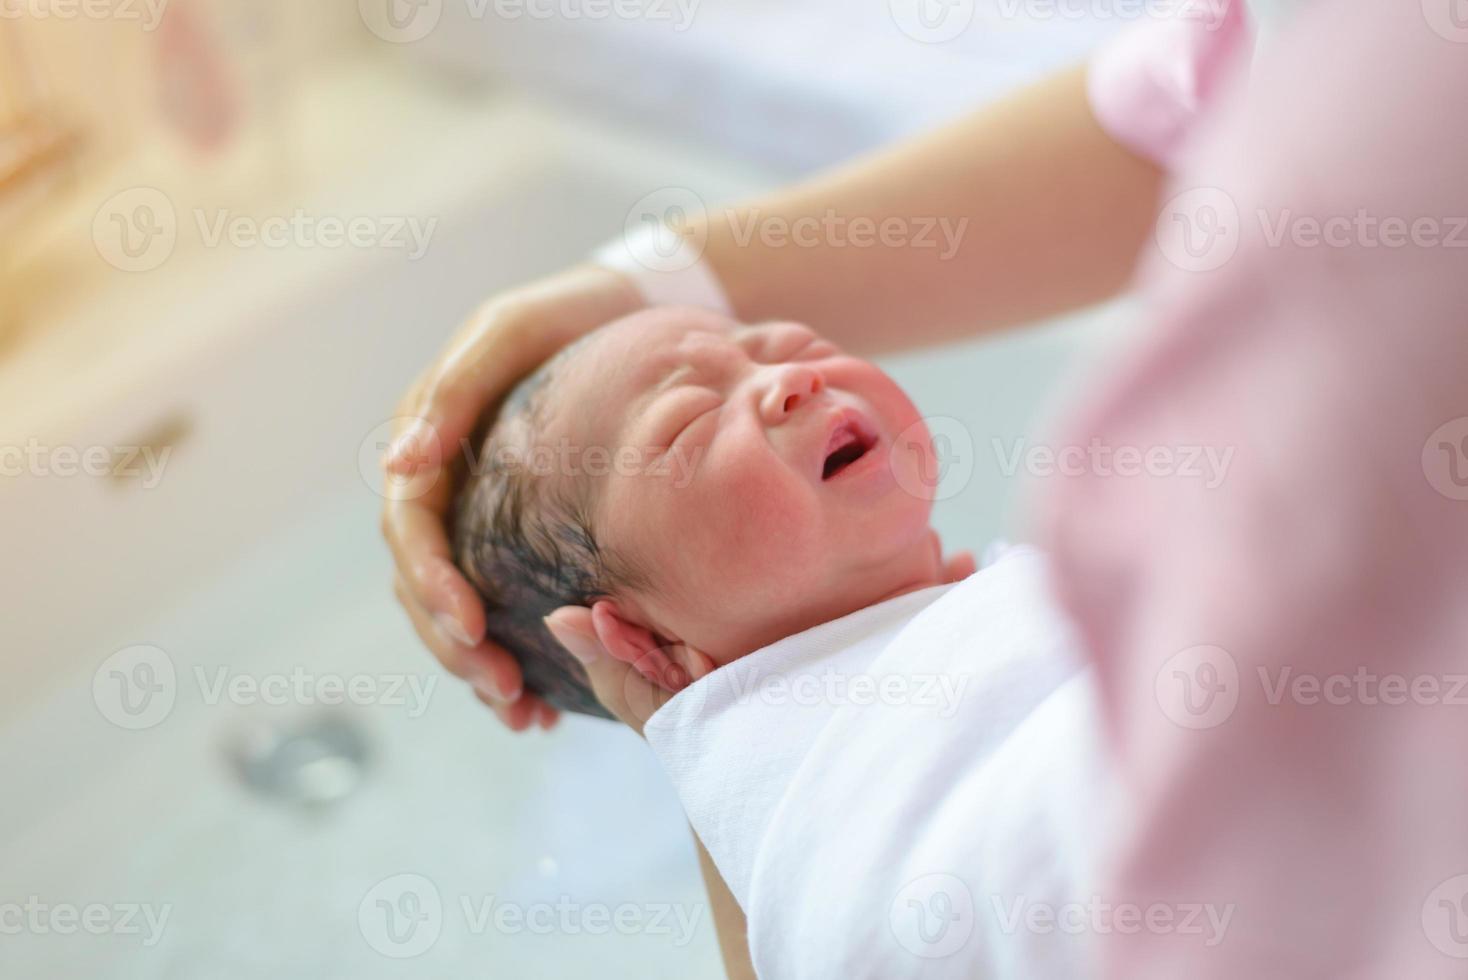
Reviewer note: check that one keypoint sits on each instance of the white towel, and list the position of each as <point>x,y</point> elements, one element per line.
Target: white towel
<point>909,791</point>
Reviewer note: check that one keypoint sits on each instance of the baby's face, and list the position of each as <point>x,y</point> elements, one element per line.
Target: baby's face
<point>755,475</point>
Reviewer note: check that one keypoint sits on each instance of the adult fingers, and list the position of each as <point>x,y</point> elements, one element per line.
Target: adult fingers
<point>489,668</point>
<point>415,533</point>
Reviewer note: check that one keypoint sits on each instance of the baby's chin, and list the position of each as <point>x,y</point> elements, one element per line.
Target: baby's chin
<point>894,535</point>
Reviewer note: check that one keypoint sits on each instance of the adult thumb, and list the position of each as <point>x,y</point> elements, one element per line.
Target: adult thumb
<point>621,689</point>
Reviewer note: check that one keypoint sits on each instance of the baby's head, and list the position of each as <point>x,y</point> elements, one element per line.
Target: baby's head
<point>707,487</point>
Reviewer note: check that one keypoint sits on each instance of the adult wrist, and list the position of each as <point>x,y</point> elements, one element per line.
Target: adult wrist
<point>666,267</point>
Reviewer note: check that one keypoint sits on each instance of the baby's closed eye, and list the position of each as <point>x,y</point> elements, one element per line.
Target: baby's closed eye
<point>681,410</point>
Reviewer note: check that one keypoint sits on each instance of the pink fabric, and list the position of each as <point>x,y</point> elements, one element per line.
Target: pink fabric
<point>1335,547</point>
<point>1151,84</point>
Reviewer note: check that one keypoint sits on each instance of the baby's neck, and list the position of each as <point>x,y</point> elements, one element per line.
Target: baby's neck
<point>923,569</point>
<point>927,573</point>
<point>904,590</point>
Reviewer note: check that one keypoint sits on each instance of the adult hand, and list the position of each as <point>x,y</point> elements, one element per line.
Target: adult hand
<point>505,339</point>
<point>623,686</point>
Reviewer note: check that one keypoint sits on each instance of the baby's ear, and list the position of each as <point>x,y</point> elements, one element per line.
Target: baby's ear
<point>671,668</point>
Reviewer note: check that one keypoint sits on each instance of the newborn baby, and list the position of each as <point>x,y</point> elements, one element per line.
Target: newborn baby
<point>706,487</point>
<point>750,498</point>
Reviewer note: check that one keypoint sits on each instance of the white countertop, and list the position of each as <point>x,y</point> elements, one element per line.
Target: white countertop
<point>371,136</point>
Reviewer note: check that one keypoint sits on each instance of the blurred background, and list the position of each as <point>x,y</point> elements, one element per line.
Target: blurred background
<point>231,232</point>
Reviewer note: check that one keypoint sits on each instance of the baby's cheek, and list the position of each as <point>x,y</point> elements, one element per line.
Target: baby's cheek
<point>757,527</point>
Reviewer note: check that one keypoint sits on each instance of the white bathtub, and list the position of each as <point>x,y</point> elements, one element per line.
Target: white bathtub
<point>257,554</point>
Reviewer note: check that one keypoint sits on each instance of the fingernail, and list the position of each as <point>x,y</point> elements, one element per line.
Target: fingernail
<point>488,685</point>
<point>453,629</point>
<point>584,648</point>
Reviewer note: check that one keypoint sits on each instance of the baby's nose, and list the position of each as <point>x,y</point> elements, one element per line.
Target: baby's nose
<point>791,386</point>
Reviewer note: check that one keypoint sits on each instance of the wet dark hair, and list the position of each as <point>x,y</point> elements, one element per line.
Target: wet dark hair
<point>527,542</point>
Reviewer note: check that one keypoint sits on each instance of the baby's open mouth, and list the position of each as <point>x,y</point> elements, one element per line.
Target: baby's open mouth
<point>847,444</point>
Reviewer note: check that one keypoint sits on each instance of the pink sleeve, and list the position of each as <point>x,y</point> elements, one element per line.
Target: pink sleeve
<point>1150,84</point>
<point>1277,604</point>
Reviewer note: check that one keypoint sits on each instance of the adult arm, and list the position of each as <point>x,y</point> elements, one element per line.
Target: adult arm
<point>1048,209</point>
<point>729,922</point>
<point>1055,212</point>
<point>632,699</point>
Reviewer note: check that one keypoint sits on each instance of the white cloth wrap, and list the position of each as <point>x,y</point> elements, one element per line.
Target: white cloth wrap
<point>923,834</point>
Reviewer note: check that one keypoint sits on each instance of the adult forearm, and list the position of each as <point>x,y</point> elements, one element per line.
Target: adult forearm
<point>728,918</point>
<point>1024,209</point>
